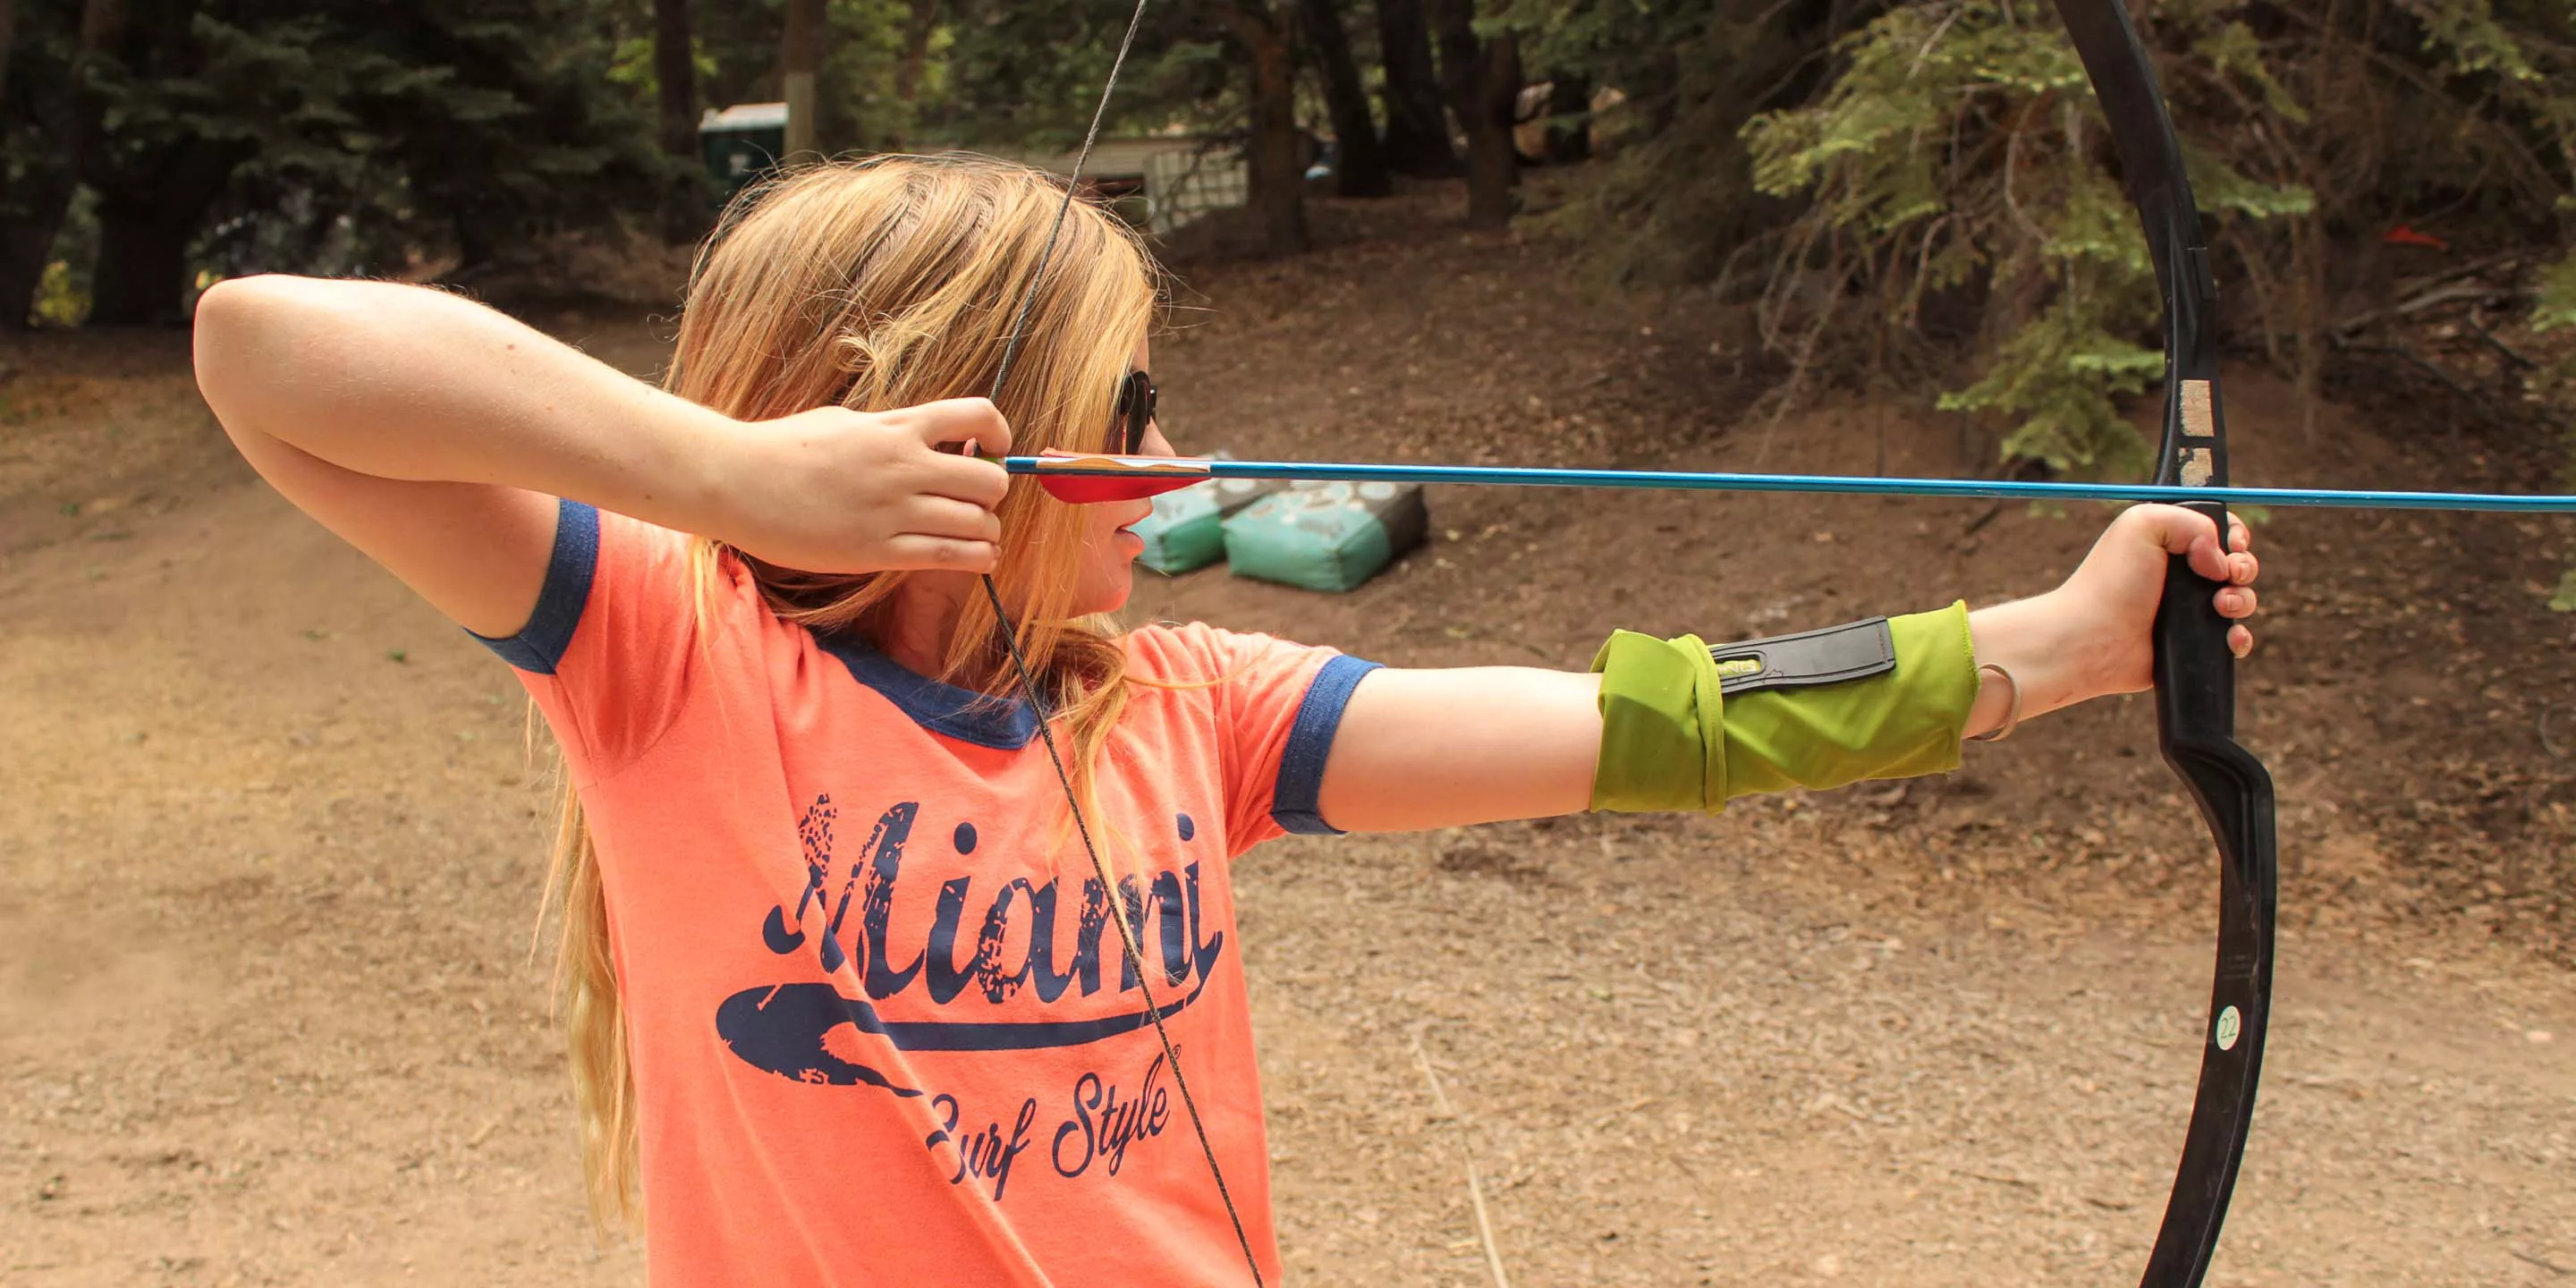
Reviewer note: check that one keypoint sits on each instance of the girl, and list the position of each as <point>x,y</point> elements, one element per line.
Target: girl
<point>859,991</point>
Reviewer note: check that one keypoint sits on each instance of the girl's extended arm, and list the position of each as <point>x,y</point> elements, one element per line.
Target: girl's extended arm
<point>434,434</point>
<point>1443,748</point>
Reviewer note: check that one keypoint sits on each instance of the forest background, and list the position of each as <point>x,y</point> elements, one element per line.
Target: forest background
<point>1912,196</point>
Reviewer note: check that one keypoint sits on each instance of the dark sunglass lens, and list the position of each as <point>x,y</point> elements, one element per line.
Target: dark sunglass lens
<point>1136,407</point>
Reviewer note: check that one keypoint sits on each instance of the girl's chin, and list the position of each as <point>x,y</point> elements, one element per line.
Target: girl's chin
<point>1106,591</point>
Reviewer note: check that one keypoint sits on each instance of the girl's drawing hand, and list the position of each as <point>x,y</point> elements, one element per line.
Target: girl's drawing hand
<point>838,491</point>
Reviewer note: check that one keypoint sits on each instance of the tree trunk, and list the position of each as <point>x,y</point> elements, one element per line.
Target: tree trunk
<point>800,62</point>
<point>917,31</point>
<point>1493,164</point>
<point>1417,126</point>
<point>145,227</point>
<point>1484,82</point>
<point>35,214</point>
<point>8,38</point>
<point>31,212</point>
<point>1658,89</point>
<point>1278,166</point>
<point>1360,171</point>
<point>675,74</point>
<point>142,266</point>
<point>1569,125</point>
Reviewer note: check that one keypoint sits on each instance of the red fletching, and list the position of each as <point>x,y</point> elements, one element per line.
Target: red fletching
<point>1078,489</point>
<point>1138,477</point>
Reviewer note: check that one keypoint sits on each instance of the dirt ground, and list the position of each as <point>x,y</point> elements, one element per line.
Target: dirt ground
<point>270,846</point>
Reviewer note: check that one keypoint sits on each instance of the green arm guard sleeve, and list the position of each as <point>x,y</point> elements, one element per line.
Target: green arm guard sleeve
<point>1670,741</point>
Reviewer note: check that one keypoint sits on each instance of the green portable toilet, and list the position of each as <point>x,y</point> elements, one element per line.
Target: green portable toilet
<point>741,143</point>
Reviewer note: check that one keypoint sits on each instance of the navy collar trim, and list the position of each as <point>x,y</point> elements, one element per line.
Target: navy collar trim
<point>1003,724</point>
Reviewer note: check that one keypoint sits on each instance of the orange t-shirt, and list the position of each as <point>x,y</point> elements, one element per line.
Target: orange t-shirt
<point>882,1030</point>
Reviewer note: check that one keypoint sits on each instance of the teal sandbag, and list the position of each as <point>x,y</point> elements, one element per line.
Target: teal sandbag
<point>1325,536</point>
<point>1186,529</point>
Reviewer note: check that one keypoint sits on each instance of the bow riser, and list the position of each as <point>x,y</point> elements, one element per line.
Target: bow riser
<point>2195,674</point>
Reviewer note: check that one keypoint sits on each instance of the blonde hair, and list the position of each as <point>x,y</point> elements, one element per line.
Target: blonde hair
<point>879,284</point>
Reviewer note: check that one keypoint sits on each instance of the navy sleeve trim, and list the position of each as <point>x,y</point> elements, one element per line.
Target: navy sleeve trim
<point>1293,803</point>
<point>540,644</point>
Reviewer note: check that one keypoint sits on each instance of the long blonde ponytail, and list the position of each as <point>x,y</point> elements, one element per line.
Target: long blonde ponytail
<point>585,996</point>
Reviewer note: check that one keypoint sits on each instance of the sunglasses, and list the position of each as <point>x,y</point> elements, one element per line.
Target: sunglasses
<point>1135,413</point>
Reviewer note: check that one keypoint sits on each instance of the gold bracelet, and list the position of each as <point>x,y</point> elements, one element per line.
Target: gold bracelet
<point>2012,712</point>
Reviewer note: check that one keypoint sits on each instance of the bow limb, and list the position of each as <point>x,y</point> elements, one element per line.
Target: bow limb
<point>2194,674</point>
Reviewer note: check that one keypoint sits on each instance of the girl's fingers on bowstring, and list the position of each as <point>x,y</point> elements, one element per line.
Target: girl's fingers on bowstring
<point>959,432</point>
<point>979,483</point>
<point>942,554</point>
<point>956,422</point>
<point>939,516</point>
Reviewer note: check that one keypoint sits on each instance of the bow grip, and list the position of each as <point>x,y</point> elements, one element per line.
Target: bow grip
<point>2194,672</point>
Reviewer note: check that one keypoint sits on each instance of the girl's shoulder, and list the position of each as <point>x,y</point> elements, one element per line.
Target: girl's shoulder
<point>1195,652</point>
<point>1244,669</point>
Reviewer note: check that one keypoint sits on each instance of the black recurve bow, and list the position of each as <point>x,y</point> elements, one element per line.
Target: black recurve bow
<point>2194,673</point>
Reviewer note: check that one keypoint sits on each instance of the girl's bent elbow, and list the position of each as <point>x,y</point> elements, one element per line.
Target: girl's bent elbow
<point>234,302</point>
<point>229,316</point>
<point>223,311</point>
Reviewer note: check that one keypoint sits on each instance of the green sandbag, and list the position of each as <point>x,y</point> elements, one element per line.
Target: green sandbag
<point>1326,536</point>
<point>1186,529</point>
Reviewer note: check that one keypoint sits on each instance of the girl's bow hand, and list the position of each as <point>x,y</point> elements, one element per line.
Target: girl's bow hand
<point>2120,582</point>
<point>833,490</point>
<point>2113,594</point>
<point>2095,635</point>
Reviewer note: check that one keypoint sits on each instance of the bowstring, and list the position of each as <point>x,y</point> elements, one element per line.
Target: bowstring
<point>1127,933</point>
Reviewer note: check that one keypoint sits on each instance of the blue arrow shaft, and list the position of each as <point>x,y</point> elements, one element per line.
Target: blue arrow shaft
<point>1861,485</point>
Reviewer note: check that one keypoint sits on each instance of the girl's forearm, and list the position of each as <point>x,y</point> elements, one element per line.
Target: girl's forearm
<point>2027,639</point>
<point>405,382</point>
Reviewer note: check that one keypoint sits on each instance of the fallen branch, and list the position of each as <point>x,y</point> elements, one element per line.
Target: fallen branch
<point>2510,259</point>
<point>2511,354</point>
<point>1475,1185</point>
<point>2439,295</point>
<point>2550,1266</point>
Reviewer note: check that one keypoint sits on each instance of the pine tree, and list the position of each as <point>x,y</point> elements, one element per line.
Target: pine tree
<point>1942,176</point>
